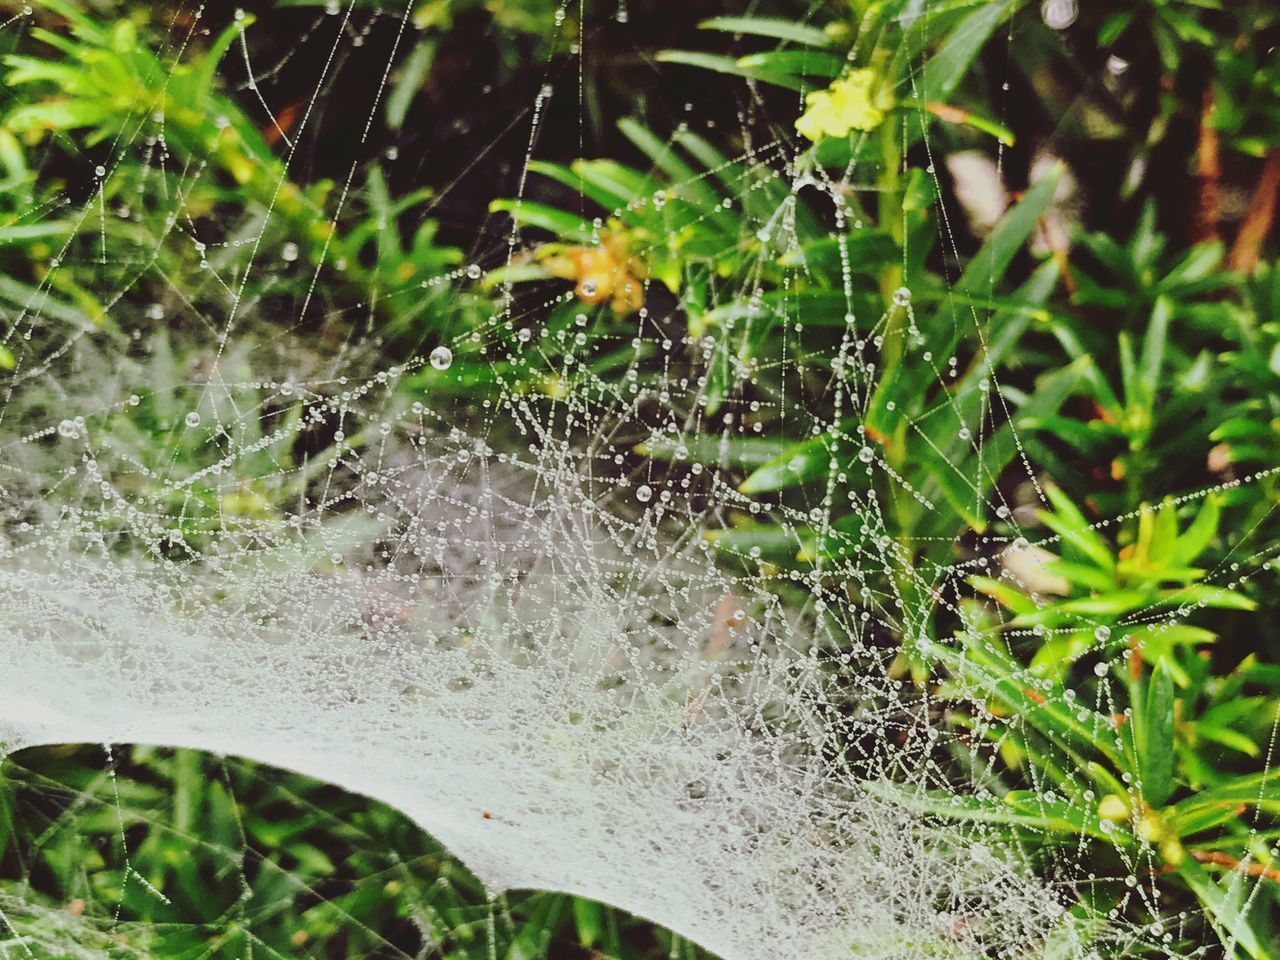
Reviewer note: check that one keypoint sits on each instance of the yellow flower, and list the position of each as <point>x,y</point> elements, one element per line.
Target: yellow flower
<point>845,105</point>
<point>608,271</point>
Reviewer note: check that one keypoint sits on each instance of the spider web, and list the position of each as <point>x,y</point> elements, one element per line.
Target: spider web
<point>485,608</point>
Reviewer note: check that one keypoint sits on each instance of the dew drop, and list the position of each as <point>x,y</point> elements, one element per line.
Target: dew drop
<point>441,358</point>
<point>1116,65</point>
<point>1059,14</point>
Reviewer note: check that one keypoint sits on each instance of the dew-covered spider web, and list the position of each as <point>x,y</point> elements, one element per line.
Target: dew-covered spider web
<point>472,534</point>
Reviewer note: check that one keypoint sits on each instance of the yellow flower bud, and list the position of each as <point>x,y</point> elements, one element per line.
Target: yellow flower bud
<point>1172,851</point>
<point>1151,827</point>
<point>1114,807</point>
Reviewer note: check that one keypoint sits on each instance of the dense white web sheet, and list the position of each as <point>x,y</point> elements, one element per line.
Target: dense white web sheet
<point>525,702</point>
<point>496,618</point>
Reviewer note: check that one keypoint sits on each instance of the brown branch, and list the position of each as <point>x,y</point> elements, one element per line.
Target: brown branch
<point>948,113</point>
<point>1208,174</point>
<point>1231,863</point>
<point>1262,215</point>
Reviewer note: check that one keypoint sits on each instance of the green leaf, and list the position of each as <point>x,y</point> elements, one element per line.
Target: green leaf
<point>1221,804</point>
<point>1114,26</point>
<point>798,464</point>
<point>1108,605</point>
<point>1155,737</point>
<point>1083,575</point>
<point>775,28</point>
<point>774,543</point>
<point>1006,595</point>
<point>1199,534</point>
<point>1232,739</point>
<point>610,185</point>
<point>798,62</point>
<point>204,77</point>
<point>1024,809</point>
<point>944,71</point>
<point>516,273</point>
<point>1202,594</point>
<point>724,64</point>
<point>58,115</point>
<point>688,182</point>
<point>712,449</point>
<point>965,489</point>
<point>1153,343</point>
<point>410,80</point>
<point>607,177</point>
<point>1071,728</point>
<point>534,935</point>
<point>13,160</point>
<point>568,226</point>
<point>1227,909</point>
<point>588,917</point>
<point>38,303</point>
<point>1073,529</point>
<point>1163,537</point>
<point>27,232</point>
<point>1010,236</point>
<point>759,193</point>
<point>979,280</point>
<point>1182,633</point>
<point>1059,651</point>
<point>867,248</point>
<point>7,821</point>
<point>1199,264</point>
